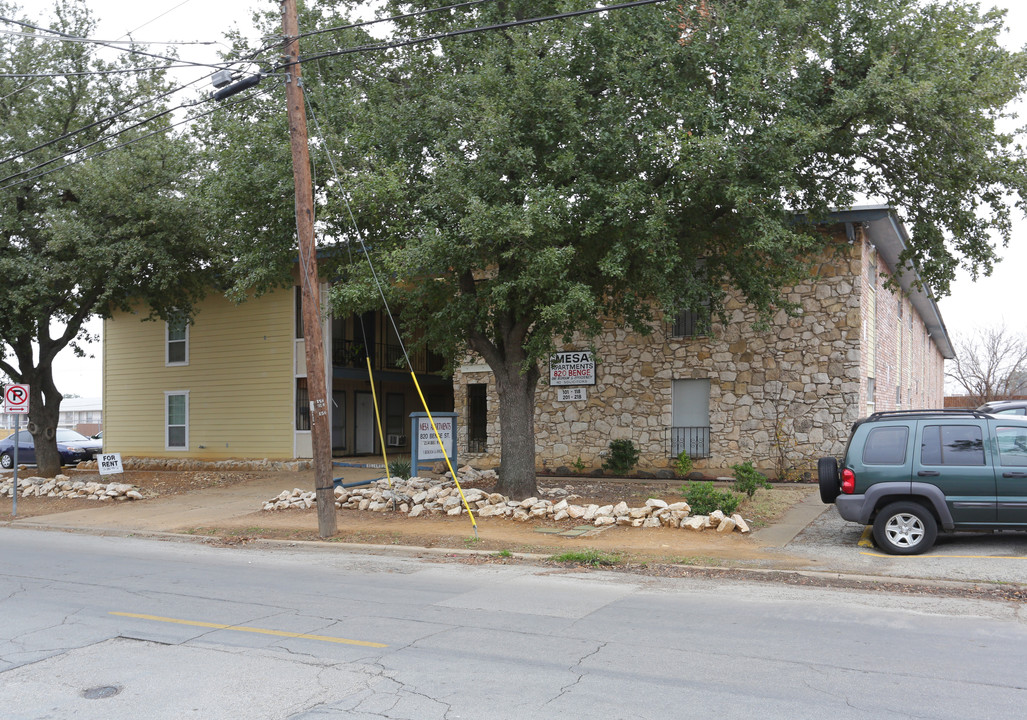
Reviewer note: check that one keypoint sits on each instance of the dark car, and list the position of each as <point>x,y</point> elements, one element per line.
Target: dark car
<point>1005,407</point>
<point>73,448</point>
<point>913,473</point>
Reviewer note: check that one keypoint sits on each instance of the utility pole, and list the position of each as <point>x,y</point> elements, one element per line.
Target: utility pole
<point>320,428</point>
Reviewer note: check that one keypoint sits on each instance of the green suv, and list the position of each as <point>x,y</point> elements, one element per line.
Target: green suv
<point>910,473</point>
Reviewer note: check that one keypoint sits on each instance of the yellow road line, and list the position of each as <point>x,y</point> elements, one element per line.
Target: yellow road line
<point>244,628</point>
<point>958,557</point>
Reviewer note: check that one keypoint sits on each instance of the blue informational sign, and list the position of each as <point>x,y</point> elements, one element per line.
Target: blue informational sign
<point>425,448</point>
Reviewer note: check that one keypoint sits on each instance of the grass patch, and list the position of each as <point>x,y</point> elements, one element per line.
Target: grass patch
<point>504,554</point>
<point>587,557</point>
<point>766,507</point>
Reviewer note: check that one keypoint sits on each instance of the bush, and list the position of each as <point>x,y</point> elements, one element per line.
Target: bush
<point>703,498</point>
<point>400,469</point>
<point>623,457</point>
<point>683,465</point>
<point>748,479</point>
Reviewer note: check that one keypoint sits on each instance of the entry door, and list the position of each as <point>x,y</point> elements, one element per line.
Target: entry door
<point>364,423</point>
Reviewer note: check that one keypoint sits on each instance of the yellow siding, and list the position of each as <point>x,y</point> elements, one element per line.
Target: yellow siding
<point>239,379</point>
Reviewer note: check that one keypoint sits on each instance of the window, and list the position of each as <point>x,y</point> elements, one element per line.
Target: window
<point>298,302</point>
<point>177,340</point>
<point>477,418</point>
<point>690,415</point>
<point>871,389</point>
<point>1012,446</point>
<point>395,409</point>
<point>886,446</point>
<point>960,445</point>
<point>176,414</point>
<point>302,405</point>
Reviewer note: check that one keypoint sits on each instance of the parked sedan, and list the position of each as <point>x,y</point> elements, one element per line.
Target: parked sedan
<point>73,448</point>
<point>1005,407</point>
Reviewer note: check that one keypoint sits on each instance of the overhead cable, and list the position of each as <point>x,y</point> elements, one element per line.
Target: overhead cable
<point>133,140</point>
<point>467,31</point>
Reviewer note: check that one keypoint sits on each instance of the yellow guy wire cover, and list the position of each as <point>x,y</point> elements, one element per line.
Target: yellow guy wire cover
<point>378,417</point>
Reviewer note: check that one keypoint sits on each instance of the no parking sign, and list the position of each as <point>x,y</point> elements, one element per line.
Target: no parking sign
<point>16,399</point>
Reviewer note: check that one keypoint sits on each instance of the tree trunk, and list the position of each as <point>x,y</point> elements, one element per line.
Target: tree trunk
<point>44,412</point>
<point>517,430</point>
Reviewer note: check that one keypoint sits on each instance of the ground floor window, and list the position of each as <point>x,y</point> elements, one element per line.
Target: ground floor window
<point>690,429</point>
<point>302,405</point>
<point>176,420</point>
<point>477,418</point>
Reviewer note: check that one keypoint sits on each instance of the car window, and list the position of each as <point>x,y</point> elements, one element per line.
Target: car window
<point>1011,411</point>
<point>886,446</point>
<point>961,445</point>
<point>1012,446</point>
<point>65,435</point>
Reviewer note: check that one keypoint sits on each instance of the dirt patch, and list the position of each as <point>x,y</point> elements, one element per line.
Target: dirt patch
<point>154,484</point>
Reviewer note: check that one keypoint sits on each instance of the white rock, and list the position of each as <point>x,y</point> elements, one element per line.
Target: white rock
<point>651,522</point>
<point>655,503</point>
<point>603,520</point>
<point>620,509</point>
<point>696,522</point>
<point>726,525</point>
<point>740,524</point>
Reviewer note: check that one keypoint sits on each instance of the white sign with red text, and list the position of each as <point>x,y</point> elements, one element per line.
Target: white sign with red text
<point>576,367</point>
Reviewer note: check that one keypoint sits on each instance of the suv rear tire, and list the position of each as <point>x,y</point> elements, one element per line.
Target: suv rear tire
<point>905,528</point>
<point>827,475</point>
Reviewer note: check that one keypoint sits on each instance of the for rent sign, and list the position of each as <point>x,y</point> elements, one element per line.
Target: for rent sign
<point>572,368</point>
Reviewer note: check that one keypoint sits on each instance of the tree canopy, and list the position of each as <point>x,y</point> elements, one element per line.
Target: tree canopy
<point>86,227</point>
<point>521,184</point>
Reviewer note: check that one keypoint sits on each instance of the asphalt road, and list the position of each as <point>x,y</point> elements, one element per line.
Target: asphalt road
<point>108,627</point>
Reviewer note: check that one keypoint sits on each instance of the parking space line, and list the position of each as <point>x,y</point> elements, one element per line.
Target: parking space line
<point>244,628</point>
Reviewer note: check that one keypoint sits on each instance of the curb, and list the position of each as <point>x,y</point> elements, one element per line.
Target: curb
<point>762,574</point>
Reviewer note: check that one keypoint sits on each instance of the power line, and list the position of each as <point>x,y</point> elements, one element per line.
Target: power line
<point>391,19</point>
<point>121,71</point>
<point>131,51</point>
<point>132,141</point>
<point>468,31</point>
<point>100,121</point>
<point>74,39</point>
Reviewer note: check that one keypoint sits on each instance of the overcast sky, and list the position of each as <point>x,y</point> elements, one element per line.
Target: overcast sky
<point>970,306</point>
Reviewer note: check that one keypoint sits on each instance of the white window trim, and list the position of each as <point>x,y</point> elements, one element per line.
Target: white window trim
<point>167,346</point>
<point>167,444</point>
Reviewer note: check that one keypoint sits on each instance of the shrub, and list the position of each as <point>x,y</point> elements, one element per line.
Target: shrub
<point>683,465</point>
<point>578,465</point>
<point>748,479</point>
<point>400,469</point>
<point>703,498</point>
<point>623,457</point>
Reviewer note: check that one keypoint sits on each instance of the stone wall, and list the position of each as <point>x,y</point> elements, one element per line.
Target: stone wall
<point>781,397</point>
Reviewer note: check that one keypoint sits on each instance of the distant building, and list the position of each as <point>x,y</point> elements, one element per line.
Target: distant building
<point>84,415</point>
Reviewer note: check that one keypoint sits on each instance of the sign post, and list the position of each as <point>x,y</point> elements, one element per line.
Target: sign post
<point>16,402</point>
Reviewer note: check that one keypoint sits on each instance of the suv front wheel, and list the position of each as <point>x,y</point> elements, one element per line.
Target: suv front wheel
<point>905,528</point>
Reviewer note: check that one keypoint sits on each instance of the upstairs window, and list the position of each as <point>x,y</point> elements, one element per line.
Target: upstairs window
<point>176,340</point>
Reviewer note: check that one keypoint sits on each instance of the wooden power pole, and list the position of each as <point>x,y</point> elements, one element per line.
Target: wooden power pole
<point>320,427</point>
